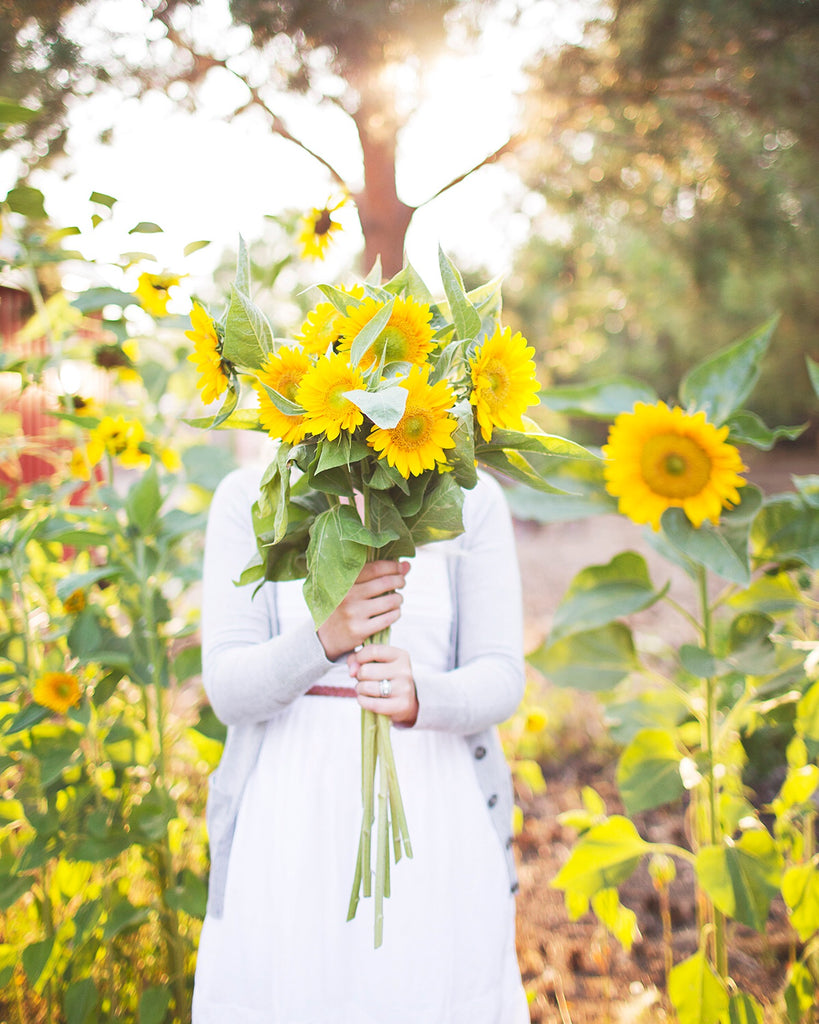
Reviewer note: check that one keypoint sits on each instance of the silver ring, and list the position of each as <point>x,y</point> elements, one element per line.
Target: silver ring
<point>385,688</point>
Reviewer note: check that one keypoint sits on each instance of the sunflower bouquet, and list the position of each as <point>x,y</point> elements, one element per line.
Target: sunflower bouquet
<point>391,396</point>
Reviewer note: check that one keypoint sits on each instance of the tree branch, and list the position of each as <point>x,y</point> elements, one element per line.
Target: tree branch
<point>511,144</point>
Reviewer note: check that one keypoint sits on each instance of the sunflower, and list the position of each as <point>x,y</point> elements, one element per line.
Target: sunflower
<point>659,457</point>
<point>321,329</point>
<point>504,384</point>
<point>152,291</point>
<point>316,230</point>
<point>321,395</point>
<point>282,371</point>
<point>206,355</point>
<point>407,338</point>
<point>58,691</point>
<point>418,441</point>
<point>79,466</point>
<point>75,602</point>
<point>120,438</point>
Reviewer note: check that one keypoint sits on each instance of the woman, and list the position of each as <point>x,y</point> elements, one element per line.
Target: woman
<point>284,808</point>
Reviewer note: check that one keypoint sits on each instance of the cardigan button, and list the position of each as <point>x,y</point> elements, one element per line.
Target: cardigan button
<point>515,887</point>
<point>492,800</point>
<point>480,752</point>
<point>509,842</point>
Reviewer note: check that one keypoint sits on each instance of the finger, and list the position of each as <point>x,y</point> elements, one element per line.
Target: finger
<point>383,568</point>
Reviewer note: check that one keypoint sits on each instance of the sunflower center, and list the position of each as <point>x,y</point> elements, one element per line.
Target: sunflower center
<point>675,466</point>
<point>414,431</point>
<point>323,223</point>
<point>497,381</point>
<point>335,396</point>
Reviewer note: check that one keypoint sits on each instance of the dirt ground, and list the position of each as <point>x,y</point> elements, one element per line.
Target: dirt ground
<point>574,972</point>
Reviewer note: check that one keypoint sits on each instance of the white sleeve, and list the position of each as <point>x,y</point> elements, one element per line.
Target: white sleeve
<point>487,685</point>
<point>249,673</point>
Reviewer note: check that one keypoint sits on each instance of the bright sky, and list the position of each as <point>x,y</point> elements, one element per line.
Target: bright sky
<point>200,176</point>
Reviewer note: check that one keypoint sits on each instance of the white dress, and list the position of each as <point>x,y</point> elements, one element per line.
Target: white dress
<point>283,951</point>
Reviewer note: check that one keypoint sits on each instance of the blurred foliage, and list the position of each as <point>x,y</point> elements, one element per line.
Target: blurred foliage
<point>675,153</point>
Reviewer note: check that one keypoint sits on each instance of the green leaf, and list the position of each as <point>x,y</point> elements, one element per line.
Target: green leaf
<point>367,337</point>
<point>748,428</point>
<point>700,662</point>
<point>800,890</point>
<point>620,920</point>
<point>744,1009</point>
<point>35,959</point>
<point>385,407</point>
<point>648,773</point>
<point>808,488</point>
<point>81,1002</point>
<point>602,858</point>
<point>15,113</point>
<point>600,594</point>
<point>813,373</point>
<point>595,660</point>
<point>248,335</point>
<point>124,917</point>
<point>92,300</point>
<point>143,502</point>
<point>800,993</point>
<point>769,594</point>
<point>600,400</point>
<point>440,516</point>
<point>101,199</point>
<point>27,201</point>
<point>145,227</point>
<point>742,878</point>
<point>190,895</point>
<point>340,299</point>
<point>466,318</point>
<point>153,1005</point>
<point>587,495</point>
<point>720,384</point>
<point>806,724</point>
<point>242,280</point>
<point>333,561</point>
<point>193,247</point>
<point>786,529</point>
<point>723,549</point>
<point>207,464</point>
<point>25,719</point>
<point>698,995</point>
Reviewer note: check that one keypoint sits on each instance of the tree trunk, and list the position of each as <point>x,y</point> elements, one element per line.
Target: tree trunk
<point>384,218</point>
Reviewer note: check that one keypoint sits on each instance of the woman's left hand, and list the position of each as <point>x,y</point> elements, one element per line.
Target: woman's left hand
<point>375,664</point>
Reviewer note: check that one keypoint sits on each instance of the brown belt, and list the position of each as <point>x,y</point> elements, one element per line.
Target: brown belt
<point>330,691</point>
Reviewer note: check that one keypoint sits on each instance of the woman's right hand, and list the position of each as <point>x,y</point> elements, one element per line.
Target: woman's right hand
<point>372,603</point>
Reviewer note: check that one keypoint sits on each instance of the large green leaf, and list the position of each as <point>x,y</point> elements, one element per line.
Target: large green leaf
<point>28,202</point>
<point>440,516</point>
<point>81,1001</point>
<point>747,428</point>
<point>807,715</point>
<point>720,384</point>
<point>602,858</point>
<point>143,501</point>
<point>741,878</point>
<point>787,529</point>
<point>333,560</point>
<point>724,548</point>
<point>808,488</point>
<point>153,1005</point>
<point>597,659</point>
<point>466,318</point>
<point>248,335</point>
<point>744,1009</point>
<point>581,492</point>
<point>800,890</point>
<point>600,400</point>
<point>697,993</point>
<point>602,593</point>
<point>769,594</point>
<point>648,773</point>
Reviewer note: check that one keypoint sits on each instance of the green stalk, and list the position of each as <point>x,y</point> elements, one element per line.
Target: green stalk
<point>368,795</point>
<point>709,745</point>
<point>382,855</point>
<point>396,803</point>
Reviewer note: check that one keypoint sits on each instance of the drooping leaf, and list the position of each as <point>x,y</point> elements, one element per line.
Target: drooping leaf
<point>786,529</point>
<point>741,878</point>
<point>333,561</point>
<point>697,993</point>
<point>621,921</point>
<point>385,407</point>
<point>368,336</point>
<point>800,890</point>
<point>599,594</point>
<point>602,858</point>
<point>153,1005</point>
<point>143,502</point>
<point>720,384</point>
<point>81,1002</point>
<point>744,1009</point>
<point>439,518</point>
<point>594,660</point>
<point>747,428</point>
<point>27,201</point>
<point>808,488</point>
<point>599,400</point>
<point>145,227</point>
<point>648,773</point>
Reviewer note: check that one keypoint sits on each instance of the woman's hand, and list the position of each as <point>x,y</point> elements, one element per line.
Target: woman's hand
<point>375,664</point>
<point>370,605</point>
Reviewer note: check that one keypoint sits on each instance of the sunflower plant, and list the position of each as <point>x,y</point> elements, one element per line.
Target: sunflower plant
<point>691,720</point>
<point>382,404</point>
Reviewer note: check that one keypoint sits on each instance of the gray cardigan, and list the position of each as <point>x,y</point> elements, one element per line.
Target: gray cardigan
<point>251,671</point>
